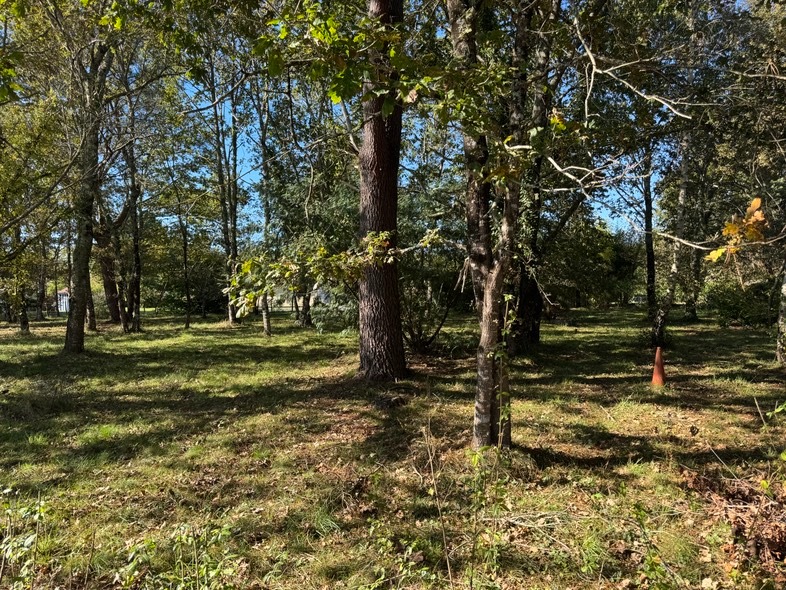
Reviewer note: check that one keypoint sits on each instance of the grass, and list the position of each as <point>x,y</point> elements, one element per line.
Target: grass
<point>217,458</point>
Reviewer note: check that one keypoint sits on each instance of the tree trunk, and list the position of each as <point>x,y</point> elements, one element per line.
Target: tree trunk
<point>381,338</point>
<point>91,312</point>
<point>90,83</point>
<point>462,15</point>
<point>57,298</point>
<point>305,312</point>
<point>41,296</point>
<point>658,333</point>
<point>489,267</point>
<point>106,262</point>
<point>693,288</point>
<point>135,284</point>
<point>122,286</point>
<point>88,192</point>
<point>136,276</point>
<point>266,316</point>
<point>226,176</point>
<point>529,314</point>
<point>649,245</point>
<point>186,273</point>
<point>24,320</point>
<point>780,347</point>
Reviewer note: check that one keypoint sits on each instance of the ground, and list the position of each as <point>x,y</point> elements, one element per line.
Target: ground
<point>218,458</point>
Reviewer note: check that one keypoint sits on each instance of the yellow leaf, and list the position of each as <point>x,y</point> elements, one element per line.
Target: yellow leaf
<point>715,254</point>
<point>731,229</point>
<point>755,204</point>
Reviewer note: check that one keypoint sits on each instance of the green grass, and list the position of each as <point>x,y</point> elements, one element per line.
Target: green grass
<point>218,456</point>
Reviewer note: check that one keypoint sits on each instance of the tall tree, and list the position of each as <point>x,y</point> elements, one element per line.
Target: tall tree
<point>381,339</point>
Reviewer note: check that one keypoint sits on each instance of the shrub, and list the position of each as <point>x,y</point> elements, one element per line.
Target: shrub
<point>734,305</point>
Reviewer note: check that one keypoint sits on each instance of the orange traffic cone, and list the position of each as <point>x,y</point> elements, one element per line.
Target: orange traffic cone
<point>658,374</point>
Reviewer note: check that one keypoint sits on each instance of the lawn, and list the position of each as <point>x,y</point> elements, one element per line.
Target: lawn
<point>218,458</point>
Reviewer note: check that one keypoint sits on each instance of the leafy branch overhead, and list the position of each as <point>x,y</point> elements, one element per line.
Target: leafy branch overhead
<point>741,231</point>
<point>262,275</point>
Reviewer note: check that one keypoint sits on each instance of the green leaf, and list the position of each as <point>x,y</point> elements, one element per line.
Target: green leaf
<point>275,63</point>
<point>388,106</point>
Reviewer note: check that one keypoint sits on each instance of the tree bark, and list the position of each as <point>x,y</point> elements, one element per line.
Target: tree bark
<point>304,319</point>
<point>266,316</point>
<point>106,262</point>
<point>88,192</point>
<point>780,346</point>
<point>90,84</point>
<point>91,312</point>
<point>135,286</point>
<point>186,273</point>
<point>489,267</point>
<point>24,320</point>
<point>381,339</point>
<point>649,244</point>
<point>41,295</point>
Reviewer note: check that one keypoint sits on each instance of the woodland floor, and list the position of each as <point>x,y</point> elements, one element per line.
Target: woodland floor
<point>218,458</point>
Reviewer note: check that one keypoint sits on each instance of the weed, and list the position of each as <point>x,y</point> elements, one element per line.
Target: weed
<point>193,559</point>
<point>19,539</point>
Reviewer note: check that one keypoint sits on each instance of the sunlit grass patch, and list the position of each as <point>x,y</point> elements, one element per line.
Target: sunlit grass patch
<point>268,458</point>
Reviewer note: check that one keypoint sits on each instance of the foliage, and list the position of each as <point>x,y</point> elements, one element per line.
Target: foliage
<point>742,230</point>
<point>23,519</point>
<point>199,559</point>
<point>749,306</point>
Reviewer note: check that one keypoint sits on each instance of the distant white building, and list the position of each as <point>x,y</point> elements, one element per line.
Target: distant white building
<point>63,297</point>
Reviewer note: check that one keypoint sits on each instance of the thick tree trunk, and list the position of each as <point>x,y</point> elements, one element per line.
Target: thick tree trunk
<point>381,338</point>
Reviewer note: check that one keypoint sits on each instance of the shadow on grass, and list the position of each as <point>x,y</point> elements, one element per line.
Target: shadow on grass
<point>594,365</point>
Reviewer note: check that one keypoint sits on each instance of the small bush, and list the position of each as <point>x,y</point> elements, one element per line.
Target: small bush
<point>735,305</point>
